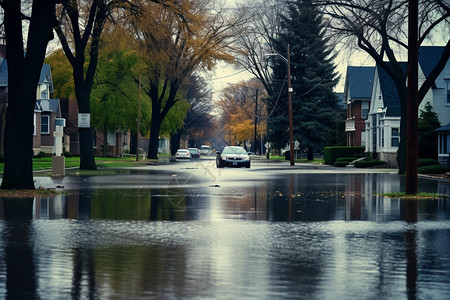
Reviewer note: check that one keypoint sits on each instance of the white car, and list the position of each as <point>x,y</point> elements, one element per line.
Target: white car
<point>233,156</point>
<point>183,154</point>
<point>205,150</point>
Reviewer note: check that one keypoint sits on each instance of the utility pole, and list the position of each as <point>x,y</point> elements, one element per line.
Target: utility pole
<point>412,101</point>
<point>138,120</point>
<point>290,90</point>
<point>256,122</point>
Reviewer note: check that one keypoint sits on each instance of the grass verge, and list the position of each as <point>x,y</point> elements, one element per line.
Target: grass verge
<point>45,163</point>
<point>403,195</point>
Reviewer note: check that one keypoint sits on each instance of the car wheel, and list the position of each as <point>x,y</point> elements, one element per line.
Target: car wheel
<point>247,165</point>
<point>219,164</point>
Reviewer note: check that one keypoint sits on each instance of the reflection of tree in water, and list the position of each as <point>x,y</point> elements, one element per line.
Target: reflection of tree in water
<point>178,201</point>
<point>19,257</point>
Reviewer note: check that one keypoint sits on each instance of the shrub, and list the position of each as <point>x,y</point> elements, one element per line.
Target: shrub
<point>345,159</point>
<point>341,164</point>
<point>432,169</point>
<point>330,154</point>
<point>67,154</point>
<point>39,155</point>
<point>427,162</point>
<point>369,163</point>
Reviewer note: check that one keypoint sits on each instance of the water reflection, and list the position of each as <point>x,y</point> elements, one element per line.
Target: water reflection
<point>297,197</point>
<point>298,236</point>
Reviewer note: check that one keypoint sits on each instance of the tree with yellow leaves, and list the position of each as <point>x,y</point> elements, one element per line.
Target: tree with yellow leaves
<point>243,113</point>
<point>176,42</point>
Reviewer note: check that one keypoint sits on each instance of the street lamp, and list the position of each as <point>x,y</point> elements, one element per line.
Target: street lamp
<point>290,90</point>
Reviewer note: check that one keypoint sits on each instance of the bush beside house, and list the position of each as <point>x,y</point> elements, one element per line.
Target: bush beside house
<point>331,154</point>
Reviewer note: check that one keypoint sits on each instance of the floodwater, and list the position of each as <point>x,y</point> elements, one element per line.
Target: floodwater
<point>293,236</point>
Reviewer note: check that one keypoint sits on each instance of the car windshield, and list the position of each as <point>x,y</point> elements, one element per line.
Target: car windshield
<point>234,150</point>
<point>183,151</point>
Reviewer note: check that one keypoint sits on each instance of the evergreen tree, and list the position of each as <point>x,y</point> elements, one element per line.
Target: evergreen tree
<point>428,138</point>
<point>312,78</point>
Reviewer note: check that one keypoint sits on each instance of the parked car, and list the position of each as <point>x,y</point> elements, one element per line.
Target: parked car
<point>183,154</point>
<point>232,156</point>
<point>195,153</point>
<point>205,150</point>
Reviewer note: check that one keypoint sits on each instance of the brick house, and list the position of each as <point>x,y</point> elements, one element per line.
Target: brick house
<point>46,110</point>
<point>357,93</point>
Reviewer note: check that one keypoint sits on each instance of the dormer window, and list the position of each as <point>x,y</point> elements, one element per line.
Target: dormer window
<point>44,91</point>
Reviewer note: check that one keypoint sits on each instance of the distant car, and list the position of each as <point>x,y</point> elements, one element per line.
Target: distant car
<point>205,150</point>
<point>195,153</point>
<point>232,156</point>
<point>183,154</point>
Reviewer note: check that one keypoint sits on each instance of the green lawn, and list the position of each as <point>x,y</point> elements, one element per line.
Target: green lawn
<point>45,163</point>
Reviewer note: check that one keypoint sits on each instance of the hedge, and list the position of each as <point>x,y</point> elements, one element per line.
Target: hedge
<point>427,162</point>
<point>347,159</point>
<point>369,163</point>
<point>433,169</point>
<point>330,154</point>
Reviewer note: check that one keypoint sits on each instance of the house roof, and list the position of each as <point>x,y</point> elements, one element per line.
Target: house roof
<point>45,76</point>
<point>429,57</point>
<point>359,82</point>
<point>389,91</point>
<point>444,128</point>
<point>48,105</point>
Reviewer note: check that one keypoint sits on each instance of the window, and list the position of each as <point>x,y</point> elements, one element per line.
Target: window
<point>45,124</point>
<point>364,110</point>
<point>448,92</point>
<point>395,138</point>
<point>44,92</point>
<point>34,124</point>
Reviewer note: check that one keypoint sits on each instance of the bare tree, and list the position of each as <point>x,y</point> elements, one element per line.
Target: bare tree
<point>255,39</point>
<point>379,27</point>
<point>198,118</point>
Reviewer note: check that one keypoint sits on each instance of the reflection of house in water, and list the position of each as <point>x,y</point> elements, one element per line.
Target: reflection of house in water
<point>49,207</point>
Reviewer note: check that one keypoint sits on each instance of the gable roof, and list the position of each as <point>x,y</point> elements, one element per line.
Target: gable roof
<point>48,105</point>
<point>389,91</point>
<point>45,75</point>
<point>359,82</point>
<point>429,57</point>
<point>443,128</point>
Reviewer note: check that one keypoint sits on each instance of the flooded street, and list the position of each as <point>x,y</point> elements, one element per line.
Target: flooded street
<point>186,230</point>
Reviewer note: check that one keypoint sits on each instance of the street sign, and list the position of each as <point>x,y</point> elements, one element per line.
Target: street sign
<point>296,144</point>
<point>84,120</point>
<point>267,145</point>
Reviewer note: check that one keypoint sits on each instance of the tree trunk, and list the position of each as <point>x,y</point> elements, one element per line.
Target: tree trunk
<point>154,139</point>
<point>23,77</point>
<point>175,142</point>
<point>105,142</point>
<point>87,158</point>
<point>310,153</point>
<point>18,172</point>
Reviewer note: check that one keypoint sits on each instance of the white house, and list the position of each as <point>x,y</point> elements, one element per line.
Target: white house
<point>383,122</point>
